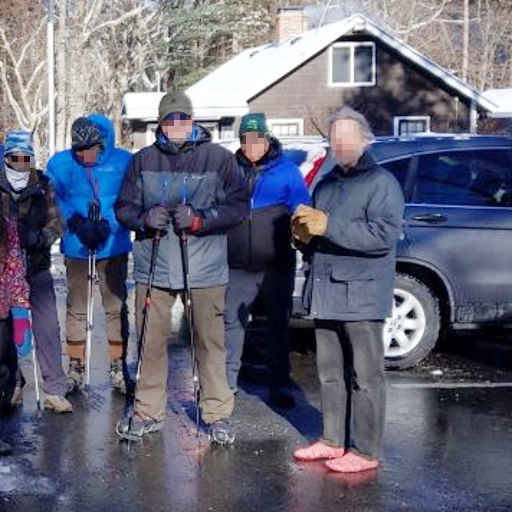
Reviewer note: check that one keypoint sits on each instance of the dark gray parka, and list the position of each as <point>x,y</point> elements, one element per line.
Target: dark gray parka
<point>200,173</point>
<point>352,267</point>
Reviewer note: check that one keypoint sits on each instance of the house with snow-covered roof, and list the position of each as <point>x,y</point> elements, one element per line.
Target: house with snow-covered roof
<point>304,75</point>
<point>299,79</point>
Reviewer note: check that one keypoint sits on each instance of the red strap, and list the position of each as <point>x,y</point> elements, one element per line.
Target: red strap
<point>196,224</point>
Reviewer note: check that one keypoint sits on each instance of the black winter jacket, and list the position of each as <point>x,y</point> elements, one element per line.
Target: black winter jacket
<point>352,267</point>
<point>263,237</point>
<point>36,208</point>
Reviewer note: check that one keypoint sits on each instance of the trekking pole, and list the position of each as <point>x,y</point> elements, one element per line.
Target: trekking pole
<point>143,330</point>
<point>34,354</point>
<point>94,214</point>
<point>147,306</point>
<point>188,308</point>
<point>36,378</point>
<point>89,321</point>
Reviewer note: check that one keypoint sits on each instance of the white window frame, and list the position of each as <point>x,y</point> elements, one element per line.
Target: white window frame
<point>287,120</point>
<point>352,83</point>
<point>397,119</point>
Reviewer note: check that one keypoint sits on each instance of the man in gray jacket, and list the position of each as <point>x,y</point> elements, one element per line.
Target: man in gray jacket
<point>350,236</point>
<point>182,184</point>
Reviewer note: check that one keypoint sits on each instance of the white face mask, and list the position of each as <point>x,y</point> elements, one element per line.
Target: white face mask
<point>17,179</point>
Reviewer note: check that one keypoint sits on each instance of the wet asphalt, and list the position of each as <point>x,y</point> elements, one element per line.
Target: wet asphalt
<point>447,446</point>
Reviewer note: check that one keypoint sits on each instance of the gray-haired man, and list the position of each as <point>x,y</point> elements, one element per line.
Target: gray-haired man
<point>349,237</point>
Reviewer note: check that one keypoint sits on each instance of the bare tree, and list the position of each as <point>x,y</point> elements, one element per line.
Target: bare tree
<point>22,76</point>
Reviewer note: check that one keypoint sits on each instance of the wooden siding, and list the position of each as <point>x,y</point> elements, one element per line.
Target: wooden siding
<point>402,89</point>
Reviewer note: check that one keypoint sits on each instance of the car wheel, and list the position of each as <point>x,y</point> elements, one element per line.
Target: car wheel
<point>413,329</point>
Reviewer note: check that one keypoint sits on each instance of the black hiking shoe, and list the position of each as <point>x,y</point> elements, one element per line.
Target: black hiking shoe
<point>221,432</point>
<point>134,428</point>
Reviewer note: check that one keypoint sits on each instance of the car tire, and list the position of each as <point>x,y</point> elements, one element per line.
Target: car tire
<point>413,329</point>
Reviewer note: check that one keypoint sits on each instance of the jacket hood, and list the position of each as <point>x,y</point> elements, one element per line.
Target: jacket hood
<point>199,135</point>
<point>106,129</point>
<point>269,159</point>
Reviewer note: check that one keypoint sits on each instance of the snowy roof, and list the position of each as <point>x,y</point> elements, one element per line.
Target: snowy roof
<point>228,89</point>
<point>503,99</point>
<point>141,105</point>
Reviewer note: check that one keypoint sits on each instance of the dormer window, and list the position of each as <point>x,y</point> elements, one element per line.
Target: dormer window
<point>352,64</point>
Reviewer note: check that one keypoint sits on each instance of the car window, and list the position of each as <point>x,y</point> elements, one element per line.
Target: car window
<point>491,176</point>
<point>468,178</point>
<point>403,170</point>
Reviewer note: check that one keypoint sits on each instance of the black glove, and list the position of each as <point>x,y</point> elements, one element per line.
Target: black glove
<point>91,234</point>
<point>75,222</point>
<point>186,218</point>
<point>31,238</point>
<point>157,217</point>
<point>102,231</point>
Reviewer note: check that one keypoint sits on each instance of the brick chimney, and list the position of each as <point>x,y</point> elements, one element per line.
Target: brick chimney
<point>291,22</point>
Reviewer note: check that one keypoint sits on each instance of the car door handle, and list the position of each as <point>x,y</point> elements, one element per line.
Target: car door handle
<point>430,218</point>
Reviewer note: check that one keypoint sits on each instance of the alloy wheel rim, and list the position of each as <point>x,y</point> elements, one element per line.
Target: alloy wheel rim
<point>405,328</point>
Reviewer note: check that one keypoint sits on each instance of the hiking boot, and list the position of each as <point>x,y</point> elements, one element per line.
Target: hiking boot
<point>17,397</point>
<point>133,428</point>
<point>221,432</point>
<point>57,403</point>
<point>5,448</point>
<point>117,376</point>
<point>76,372</point>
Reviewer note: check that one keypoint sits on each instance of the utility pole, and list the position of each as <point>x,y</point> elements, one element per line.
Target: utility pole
<point>465,42</point>
<point>50,59</point>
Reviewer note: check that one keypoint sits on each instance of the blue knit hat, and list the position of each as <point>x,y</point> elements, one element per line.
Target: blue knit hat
<point>19,141</point>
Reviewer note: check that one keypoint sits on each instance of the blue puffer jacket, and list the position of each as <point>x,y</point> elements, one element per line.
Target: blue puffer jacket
<point>276,188</point>
<point>74,192</point>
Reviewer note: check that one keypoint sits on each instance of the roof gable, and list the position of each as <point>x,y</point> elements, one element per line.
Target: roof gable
<point>233,84</point>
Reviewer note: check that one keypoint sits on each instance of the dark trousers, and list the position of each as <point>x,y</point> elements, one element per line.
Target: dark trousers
<point>243,288</point>
<point>8,363</point>
<point>350,362</point>
<point>45,325</point>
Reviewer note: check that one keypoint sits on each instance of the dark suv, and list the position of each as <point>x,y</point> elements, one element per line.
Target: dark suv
<point>454,258</point>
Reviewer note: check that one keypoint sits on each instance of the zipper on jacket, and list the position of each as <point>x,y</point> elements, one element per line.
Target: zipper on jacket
<point>252,183</point>
<point>250,232</point>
